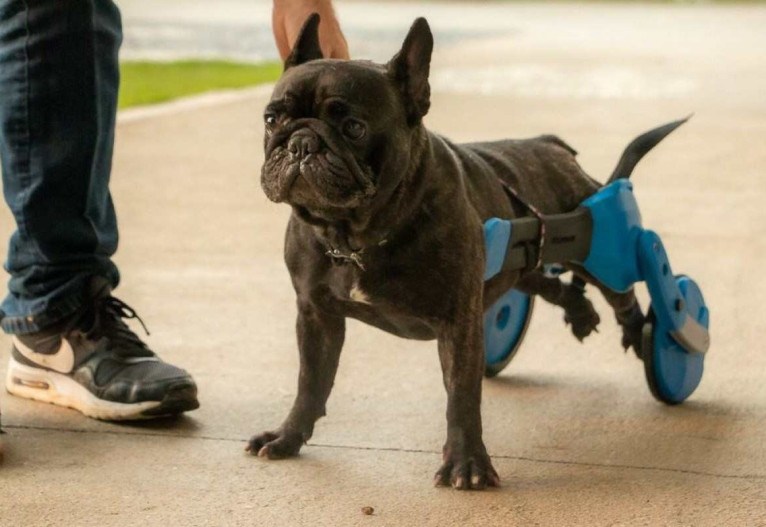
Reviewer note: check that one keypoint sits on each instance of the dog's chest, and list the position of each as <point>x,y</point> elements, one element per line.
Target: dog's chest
<point>385,304</point>
<point>357,294</point>
<point>406,291</point>
<point>351,285</point>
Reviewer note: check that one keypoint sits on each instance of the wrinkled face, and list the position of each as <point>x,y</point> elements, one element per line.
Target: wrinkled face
<point>329,126</point>
<point>338,133</point>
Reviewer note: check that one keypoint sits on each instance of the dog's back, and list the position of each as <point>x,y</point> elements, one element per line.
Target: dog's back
<point>543,172</point>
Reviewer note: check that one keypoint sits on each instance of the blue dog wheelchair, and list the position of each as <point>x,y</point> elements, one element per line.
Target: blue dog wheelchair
<point>604,236</point>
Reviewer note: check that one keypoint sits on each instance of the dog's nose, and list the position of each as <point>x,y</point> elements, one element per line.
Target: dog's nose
<point>303,144</point>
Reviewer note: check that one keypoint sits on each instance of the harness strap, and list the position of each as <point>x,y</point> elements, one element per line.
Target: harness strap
<point>533,259</point>
<point>546,238</point>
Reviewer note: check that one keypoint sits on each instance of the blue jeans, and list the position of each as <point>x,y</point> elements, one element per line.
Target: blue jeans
<point>59,77</point>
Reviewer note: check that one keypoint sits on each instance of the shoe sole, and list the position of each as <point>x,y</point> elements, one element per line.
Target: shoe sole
<point>55,388</point>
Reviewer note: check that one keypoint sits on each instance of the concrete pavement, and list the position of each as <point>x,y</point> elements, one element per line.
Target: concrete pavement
<point>573,430</point>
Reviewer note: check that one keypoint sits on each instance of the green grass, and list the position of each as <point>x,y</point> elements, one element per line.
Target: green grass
<point>153,82</point>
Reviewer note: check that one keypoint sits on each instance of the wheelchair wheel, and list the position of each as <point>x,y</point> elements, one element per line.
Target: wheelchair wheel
<point>505,323</point>
<point>671,372</point>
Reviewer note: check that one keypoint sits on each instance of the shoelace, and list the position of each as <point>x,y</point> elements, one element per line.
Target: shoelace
<point>106,320</point>
<point>123,310</point>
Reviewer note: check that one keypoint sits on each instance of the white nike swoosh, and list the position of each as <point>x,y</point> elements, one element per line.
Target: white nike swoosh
<point>136,360</point>
<point>62,361</point>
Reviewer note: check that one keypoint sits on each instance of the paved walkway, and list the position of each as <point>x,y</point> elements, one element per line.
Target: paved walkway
<point>572,428</point>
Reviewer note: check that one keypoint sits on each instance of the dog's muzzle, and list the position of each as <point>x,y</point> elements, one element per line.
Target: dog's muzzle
<point>307,165</point>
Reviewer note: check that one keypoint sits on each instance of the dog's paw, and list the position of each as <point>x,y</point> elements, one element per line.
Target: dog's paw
<point>632,323</point>
<point>466,470</point>
<point>583,324</point>
<point>579,312</point>
<point>275,445</point>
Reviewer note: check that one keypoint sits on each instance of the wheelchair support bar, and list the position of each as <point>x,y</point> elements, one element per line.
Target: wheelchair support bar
<point>565,237</point>
<point>667,299</point>
<point>605,235</point>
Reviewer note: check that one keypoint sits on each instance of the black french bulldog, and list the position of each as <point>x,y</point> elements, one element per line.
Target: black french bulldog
<point>387,228</point>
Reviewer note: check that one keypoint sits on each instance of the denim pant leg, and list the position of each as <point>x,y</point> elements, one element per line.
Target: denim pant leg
<point>59,77</point>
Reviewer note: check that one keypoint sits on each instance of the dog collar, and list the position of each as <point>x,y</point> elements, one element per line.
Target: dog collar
<point>350,256</point>
<point>354,257</point>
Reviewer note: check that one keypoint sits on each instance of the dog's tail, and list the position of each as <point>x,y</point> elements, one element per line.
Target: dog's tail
<point>639,147</point>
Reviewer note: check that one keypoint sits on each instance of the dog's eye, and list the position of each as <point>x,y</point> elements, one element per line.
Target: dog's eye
<point>354,129</point>
<point>270,119</point>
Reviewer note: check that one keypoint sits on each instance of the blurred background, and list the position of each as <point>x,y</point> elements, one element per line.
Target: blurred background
<point>561,50</point>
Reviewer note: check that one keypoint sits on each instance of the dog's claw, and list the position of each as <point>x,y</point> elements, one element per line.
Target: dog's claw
<point>584,321</point>
<point>274,445</point>
<point>478,482</point>
<point>467,472</point>
<point>632,322</point>
<point>579,312</point>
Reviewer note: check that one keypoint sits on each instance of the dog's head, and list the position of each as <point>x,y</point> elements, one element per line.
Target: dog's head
<point>339,133</point>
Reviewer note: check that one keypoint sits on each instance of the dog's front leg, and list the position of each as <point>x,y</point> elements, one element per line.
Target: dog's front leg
<point>320,339</point>
<point>461,352</point>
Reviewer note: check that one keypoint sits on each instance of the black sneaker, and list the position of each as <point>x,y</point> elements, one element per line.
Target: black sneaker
<point>95,364</point>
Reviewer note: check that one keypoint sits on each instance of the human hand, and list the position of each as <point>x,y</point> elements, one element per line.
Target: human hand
<point>288,18</point>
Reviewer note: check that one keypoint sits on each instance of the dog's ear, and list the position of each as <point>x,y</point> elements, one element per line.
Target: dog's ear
<point>306,47</point>
<point>410,67</point>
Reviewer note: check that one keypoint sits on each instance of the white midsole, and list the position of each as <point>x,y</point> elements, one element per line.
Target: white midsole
<point>53,387</point>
